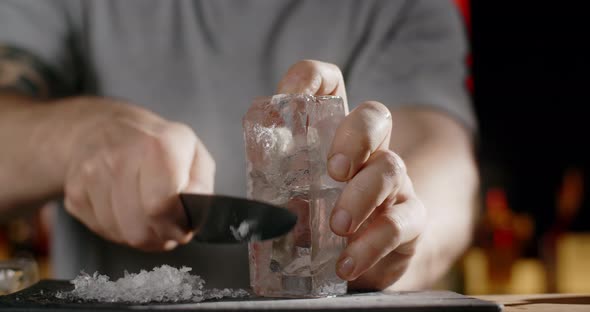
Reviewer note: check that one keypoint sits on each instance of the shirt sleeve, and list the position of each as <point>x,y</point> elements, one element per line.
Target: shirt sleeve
<point>417,58</point>
<point>40,32</point>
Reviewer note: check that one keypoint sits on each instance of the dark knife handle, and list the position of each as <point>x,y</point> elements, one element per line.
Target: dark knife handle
<point>195,218</point>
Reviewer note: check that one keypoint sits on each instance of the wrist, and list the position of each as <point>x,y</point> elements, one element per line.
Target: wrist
<point>59,127</point>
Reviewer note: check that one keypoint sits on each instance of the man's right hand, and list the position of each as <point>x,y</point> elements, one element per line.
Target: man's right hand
<point>125,169</point>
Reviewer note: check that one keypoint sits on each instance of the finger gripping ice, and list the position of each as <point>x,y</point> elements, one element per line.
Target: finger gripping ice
<point>288,138</point>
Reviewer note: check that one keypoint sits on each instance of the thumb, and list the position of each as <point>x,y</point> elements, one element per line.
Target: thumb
<point>313,77</point>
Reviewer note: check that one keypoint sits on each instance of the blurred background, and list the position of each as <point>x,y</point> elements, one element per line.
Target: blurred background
<point>530,78</point>
<point>529,81</point>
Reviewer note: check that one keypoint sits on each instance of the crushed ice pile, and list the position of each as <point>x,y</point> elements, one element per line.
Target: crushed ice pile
<point>162,284</point>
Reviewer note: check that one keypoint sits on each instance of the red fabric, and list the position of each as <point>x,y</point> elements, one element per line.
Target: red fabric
<point>463,6</point>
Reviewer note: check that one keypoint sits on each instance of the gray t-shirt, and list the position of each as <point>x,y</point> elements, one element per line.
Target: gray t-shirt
<point>202,62</point>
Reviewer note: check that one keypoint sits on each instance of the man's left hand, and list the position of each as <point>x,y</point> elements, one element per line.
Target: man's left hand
<point>378,210</point>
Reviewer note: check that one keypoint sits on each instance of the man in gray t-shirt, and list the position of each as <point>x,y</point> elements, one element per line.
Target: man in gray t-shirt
<point>116,106</point>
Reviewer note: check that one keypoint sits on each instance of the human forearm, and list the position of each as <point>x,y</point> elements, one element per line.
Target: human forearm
<point>34,135</point>
<point>441,165</point>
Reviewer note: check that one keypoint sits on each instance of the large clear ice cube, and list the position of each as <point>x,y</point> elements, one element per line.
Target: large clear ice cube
<point>288,138</point>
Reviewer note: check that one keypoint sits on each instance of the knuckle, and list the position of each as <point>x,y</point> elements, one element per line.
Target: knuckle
<point>154,209</point>
<point>306,70</point>
<point>373,249</point>
<point>307,64</point>
<point>311,74</point>
<point>395,228</point>
<point>169,136</point>
<point>73,203</point>
<point>158,141</point>
<point>74,193</point>
<point>394,165</point>
<point>336,69</point>
<point>391,162</point>
<point>157,148</point>
<point>155,143</point>
<point>326,66</point>
<point>88,169</point>
<point>357,187</point>
<point>113,160</point>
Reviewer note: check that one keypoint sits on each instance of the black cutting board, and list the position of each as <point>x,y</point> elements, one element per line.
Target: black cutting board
<point>41,297</point>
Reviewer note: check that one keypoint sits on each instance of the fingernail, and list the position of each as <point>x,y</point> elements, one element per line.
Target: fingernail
<point>346,267</point>
<point>339,165</point>
<point>341,222</point>
<point>169,245</point>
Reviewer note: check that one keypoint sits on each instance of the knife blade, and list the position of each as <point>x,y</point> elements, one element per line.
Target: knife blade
<point>223,219</point>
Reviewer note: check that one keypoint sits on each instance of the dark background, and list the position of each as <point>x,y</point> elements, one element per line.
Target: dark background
<point>531,78</point>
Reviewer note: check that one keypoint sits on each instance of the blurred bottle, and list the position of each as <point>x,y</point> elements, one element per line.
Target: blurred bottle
<point>569,200</point>
<point>501,252</point>
<point>17,274</point>
<point>502,238</point>
<point>28,237</point>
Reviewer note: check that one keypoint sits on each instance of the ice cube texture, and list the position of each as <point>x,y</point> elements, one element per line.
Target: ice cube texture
<point>288,138</point>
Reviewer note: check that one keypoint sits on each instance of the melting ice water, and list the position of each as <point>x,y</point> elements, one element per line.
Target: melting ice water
<point>162,284</point>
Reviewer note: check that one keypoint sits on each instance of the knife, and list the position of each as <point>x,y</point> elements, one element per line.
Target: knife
<point>222,219</point>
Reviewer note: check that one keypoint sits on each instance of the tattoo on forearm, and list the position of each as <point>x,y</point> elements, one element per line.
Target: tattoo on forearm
<point>21,71</point>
